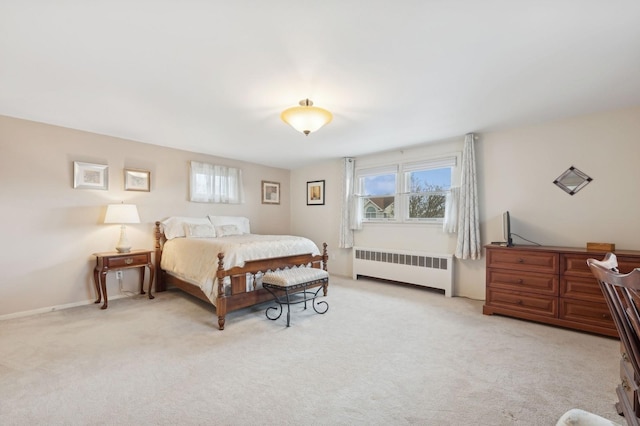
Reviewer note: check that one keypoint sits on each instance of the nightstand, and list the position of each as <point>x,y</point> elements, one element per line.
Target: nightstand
<point>115,261</point>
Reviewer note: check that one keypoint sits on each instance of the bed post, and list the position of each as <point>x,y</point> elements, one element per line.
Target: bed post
<point>221,301</point>
<point>161,285</point>
<point>325,258</point>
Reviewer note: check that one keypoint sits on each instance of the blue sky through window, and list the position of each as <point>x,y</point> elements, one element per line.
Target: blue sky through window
<point>386,184</point>
<point>435,177</point>
<point>380,185</point>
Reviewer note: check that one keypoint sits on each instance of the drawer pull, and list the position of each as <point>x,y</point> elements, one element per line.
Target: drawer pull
<point>519,302</point>
<point>128,261</point>
<point>521,260</point>
<point>520,281</point>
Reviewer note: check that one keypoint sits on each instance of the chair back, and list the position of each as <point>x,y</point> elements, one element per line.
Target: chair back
<point>622,293</point>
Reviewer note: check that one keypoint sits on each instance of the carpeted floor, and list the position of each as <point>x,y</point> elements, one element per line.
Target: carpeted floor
<point>383,354</point>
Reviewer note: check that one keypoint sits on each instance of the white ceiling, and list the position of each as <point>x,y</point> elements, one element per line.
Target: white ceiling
<point>213,76</point>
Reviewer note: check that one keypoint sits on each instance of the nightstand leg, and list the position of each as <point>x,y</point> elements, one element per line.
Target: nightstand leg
<point>150,266</point>
<point>103,285</point>
<point>142,280</point>
<point>96,282</point>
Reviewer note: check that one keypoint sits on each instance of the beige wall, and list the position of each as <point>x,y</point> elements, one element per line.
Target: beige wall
<point>51,229</point>
<point>516,169</point>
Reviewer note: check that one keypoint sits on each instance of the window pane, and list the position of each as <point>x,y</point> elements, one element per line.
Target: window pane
<point>378,201</point>
<point>427,194</point>
<point>427,206</point>
<point>379,184</point>
<point>430,180</point>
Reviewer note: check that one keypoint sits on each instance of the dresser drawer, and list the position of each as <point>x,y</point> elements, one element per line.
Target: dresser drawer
<point>523,302</point>
<point>586,312</point>
<point>523,260</point>
<point>581,288</point>
<point>125,261</point>
<point>576,264</point>
<point>540,283</point>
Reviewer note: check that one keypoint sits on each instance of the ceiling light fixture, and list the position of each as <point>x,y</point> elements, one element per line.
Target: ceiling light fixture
<point>306,118</point>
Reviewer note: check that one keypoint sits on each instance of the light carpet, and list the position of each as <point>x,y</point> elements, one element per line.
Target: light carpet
<point>383,354</point>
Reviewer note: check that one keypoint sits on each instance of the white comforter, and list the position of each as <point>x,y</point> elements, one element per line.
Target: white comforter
<point>195,260</point>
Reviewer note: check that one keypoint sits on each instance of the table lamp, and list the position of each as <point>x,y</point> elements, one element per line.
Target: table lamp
<point>122,213</point>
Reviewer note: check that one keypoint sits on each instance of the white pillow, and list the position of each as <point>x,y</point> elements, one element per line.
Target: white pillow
<point>227,230</point>
<point>174,225</point>
<point>199,230</point>
<point>240,221</point>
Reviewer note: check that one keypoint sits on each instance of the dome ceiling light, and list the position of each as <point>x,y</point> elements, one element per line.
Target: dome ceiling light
<point>306,118</point>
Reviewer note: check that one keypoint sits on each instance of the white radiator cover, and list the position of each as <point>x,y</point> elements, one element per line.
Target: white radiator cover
<point>413,267</point>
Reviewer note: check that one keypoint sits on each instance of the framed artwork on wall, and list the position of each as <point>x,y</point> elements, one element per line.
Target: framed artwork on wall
<point>137,180</point>
<point>315,193</point>
<point>90,176</point>
<point>270,192</point>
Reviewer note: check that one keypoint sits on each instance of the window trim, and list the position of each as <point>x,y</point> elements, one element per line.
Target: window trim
<point>401,197</point>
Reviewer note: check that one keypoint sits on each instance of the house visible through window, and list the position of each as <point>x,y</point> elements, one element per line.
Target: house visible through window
<point>378,188</point>
<point>408,192</point>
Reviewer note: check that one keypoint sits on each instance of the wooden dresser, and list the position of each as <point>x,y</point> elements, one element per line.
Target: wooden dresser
<point>551,285</point>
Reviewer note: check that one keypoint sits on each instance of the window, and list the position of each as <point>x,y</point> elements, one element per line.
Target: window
<point>216,184</point>
<point>407,192</point>
<point>378,188</point>
<point>425,188</point>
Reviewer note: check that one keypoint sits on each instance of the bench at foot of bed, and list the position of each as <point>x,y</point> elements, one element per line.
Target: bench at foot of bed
<point>292,286</point>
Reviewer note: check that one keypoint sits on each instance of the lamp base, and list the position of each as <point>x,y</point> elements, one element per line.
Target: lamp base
<point>123,245</point>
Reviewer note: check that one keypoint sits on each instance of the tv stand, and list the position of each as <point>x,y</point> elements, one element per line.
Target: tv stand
<point>551,285</point>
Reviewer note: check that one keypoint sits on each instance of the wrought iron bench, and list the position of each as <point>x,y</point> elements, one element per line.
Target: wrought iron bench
<point>291,286</point>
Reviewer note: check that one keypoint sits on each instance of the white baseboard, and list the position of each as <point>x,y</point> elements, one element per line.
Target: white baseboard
<point>55,308</point>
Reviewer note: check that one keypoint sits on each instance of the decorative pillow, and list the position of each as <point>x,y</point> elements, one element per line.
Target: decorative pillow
<point>199,230</point>
<point>240,221</point>
<point>174,226</point>
<point>227,230</point>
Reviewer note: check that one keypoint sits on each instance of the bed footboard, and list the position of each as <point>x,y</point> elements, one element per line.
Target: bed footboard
<point>238,297</point>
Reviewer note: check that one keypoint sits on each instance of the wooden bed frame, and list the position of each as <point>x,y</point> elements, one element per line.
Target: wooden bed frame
<point>238,297</point>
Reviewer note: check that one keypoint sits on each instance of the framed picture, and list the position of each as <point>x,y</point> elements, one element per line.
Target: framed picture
<point>137,180</point>
<point>270,192</point>
<point>315,193</point>
<point>90,176</point>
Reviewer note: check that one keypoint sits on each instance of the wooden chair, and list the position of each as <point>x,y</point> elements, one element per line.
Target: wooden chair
<point>622,293</point>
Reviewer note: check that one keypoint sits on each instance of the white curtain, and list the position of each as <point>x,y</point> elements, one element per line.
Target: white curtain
<point>346,231</point>
<point>210,183</point>
<point>450,222</point>
<point>469,246</point>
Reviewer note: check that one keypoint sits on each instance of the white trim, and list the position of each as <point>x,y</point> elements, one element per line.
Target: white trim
<point>432,163</point>
<point>55,308</point>
<point>373,171</point>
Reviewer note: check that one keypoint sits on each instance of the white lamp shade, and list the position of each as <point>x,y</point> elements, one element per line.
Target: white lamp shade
<point>122,213</point>
<point>306,118</point>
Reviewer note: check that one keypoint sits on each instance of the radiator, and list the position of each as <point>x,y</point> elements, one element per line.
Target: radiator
<point>414,267</point>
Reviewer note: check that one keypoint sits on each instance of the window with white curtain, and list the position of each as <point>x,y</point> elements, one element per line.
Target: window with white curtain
<point>211,183</point>
<point>406,192</point>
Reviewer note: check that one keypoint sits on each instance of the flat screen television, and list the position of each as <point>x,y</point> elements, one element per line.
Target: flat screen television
<point>506,229</point>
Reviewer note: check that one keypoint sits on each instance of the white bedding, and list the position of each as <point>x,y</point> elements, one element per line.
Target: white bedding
<point>195,260</point>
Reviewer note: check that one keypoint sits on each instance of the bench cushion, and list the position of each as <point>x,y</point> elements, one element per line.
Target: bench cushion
<point>293,276</point>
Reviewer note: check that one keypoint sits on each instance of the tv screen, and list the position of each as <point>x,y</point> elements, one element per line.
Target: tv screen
<point>506,229</point>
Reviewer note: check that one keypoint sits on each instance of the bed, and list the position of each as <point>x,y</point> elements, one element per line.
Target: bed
<point>218,260</point>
